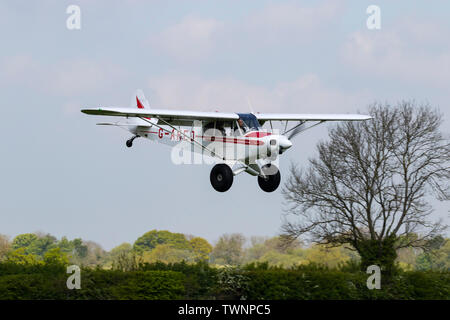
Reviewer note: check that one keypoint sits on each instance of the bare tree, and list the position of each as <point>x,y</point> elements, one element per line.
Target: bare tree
<point>370,183</point>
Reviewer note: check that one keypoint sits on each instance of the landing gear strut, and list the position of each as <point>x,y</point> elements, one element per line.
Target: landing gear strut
<point>272,178</point>
<point>221,177</point>
<point>130,141</point>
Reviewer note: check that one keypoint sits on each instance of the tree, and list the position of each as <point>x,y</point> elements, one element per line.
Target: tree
<point>4,246</point>
<point>42,244</point>
<point>23,241</point>
<point>167,253</point>
<point>370,183</point>
<point>20,256</point>
<point>324,255</point>
<point>229,249</point>
<point>34,243</point>
<point>276,258</point>
<point>437,257</point>
<point>151,239</point>
<point>263,247</point>
<point>56,256</point>
<point>79,250</point>
<point>200,248</point>
<point>124,258</point>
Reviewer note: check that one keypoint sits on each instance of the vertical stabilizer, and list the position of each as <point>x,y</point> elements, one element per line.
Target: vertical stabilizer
<point>140,101</point>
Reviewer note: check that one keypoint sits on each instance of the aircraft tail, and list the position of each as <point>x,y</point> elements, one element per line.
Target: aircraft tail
<point>139,100</point>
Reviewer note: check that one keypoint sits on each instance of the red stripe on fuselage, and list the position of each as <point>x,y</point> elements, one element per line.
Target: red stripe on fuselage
<point>233,140</point>
<point>222,139</point>
<point>257,134</point>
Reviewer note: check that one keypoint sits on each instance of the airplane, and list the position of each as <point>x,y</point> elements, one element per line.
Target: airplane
<point>236,141</point>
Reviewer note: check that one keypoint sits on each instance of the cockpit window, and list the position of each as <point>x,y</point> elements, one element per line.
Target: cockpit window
<point>250,121</point>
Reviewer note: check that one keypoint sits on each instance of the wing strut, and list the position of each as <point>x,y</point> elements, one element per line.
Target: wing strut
<point>294,127</point>
<point>189,138</point>
<point>300,128</point>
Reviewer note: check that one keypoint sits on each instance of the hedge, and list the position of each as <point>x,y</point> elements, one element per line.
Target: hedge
<point>95,284</point>
<point>202,281</point>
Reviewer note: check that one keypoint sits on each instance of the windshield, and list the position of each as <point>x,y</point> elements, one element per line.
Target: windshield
<point>250,121</point>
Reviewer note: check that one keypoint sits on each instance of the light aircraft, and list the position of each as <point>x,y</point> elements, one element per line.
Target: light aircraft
<point>237,141</point>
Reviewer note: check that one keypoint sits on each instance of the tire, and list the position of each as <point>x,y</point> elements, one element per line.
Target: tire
<point>221,177</point>
<point>272,181</point>
<point>129,143</point>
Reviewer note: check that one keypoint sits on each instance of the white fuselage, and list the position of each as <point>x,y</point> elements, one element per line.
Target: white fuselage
<point>228,145</point>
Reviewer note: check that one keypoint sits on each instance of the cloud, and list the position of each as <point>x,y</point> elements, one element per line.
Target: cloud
<point>410,51</point>
<point>80,76</point>
<point>291,22</point>
<point>196,38</point>
<point>191,38</point>
<point>17,69</point>
<point>64,78</point>
<point>307,94</point>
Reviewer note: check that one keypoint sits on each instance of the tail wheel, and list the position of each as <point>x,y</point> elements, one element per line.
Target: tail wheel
<point>272,180</point>
<point>221,177</point>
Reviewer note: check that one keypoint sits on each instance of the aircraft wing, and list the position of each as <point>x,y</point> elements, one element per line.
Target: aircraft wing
<point>310,117</point>
<point>168,115</point>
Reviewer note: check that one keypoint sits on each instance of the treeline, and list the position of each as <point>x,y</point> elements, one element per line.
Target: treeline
<point>201,280</point>
<point>229,250</point>
<point>166,265</point>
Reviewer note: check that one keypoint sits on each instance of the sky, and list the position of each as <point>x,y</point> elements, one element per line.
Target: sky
<point>63,175</point>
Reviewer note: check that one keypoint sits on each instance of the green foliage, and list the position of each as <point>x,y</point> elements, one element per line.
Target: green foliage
<point>56,257</point>
<point>178,269</point>
<point>151,239</point>
<point>437,258</point>
<point>200,278</point>
<point>79,249</point>
<point>31,286</point>
<point>4,246</point>
<point>41,245</point>
<point>132,285</point>
<point>47,280</point>
<point>96,284</point>
<point>23,240</point>
<point>200,249</point>
<point>37,245</point>
<point>381,253</point>
<point>171,247</point>
<point>229,250</point>
<point>167,253</point>
<point>300,284</point>
<point>20,256</point>
<point>233,283</point>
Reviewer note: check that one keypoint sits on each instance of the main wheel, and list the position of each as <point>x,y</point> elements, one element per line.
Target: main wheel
<point>221,177</point>
<point>272,180</point>
<point>129,143</point>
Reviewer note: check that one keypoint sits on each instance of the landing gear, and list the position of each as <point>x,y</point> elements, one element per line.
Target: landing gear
<point>130,141</point>
<point>272,178</point>
<point>221,177</point>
